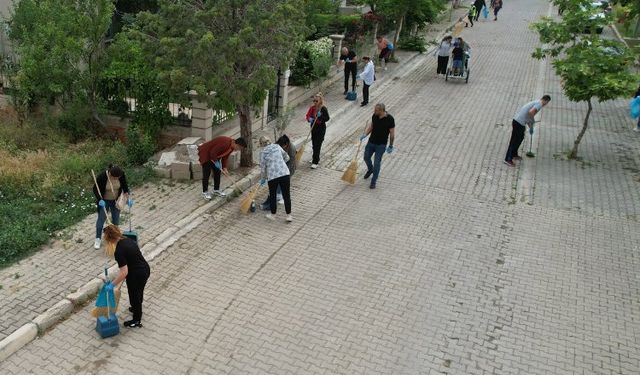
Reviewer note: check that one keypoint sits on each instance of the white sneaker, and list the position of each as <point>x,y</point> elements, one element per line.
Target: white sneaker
<point>281,201</point>
<point>314,166</point>
<point>96,245</point>
<point>220,193</point>
<point>636,129</point>
<point>269,216</point>
<point>289,218</point>
<point>206,195</point>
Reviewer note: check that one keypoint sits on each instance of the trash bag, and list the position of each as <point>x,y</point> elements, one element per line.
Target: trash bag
<point>634,107</point>
<point>485,12</point>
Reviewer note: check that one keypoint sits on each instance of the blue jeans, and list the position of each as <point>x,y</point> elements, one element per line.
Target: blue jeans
<point>102,217</point>
<point>374,167</point>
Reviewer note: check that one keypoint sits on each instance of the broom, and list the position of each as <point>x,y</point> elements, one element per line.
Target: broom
<point>245,205</point>
<point>351,172</point>
<point>301,149</point>
<point>95,181</point>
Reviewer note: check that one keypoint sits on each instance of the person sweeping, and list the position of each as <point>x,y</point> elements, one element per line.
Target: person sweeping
<point>381,132</point>
<point>523,118</point>
<point>274,170</point>
<point>133,267</point>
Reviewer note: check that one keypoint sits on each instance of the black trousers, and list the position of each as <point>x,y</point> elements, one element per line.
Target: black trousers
<point>350,71</point>
<point>478,9</point>
<point>207,168</point>
<point>317,137</point>
<point>285,186</point>
<point>442,64</point>
<point>365,93</point>
<point>136,281</point>
<point>517,136</point>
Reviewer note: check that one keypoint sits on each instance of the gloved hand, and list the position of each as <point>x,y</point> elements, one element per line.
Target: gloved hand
<point>129,202</point>
<point>108,286</point>
<point>102,203</point>
<point>389,149</point>
<point>311,119</point>
<point>318,114</point>
<point>218,164</point>
<point>362,137</point>
<point>347,60</point>
<point>263,181</point>
<point>531,130</point>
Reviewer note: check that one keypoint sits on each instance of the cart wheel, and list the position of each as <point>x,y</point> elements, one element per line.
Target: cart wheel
<point>467,79</point>
<point>446,76</point>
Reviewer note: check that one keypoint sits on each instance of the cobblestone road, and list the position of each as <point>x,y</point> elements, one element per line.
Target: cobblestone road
<point>455,264</point>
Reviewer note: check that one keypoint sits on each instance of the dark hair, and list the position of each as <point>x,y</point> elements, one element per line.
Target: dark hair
<point>115,171</point>
<point>283,140</point>
<point>241,142</point>
<point>546,98</point>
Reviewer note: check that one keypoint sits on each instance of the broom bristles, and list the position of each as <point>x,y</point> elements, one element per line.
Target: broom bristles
<point>350,173</point>
<point>299,154</point>
<point>245,205</point>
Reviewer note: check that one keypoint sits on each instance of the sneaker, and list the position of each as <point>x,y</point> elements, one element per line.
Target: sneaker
<point>385,68</point>
<point>368,174</point>
<point>345,92</point>
<point>269,216</point>
<point>372,186</point>
<point>281,201</point>
<point>314,166</point>
<point>509,163</point>
<point>96,245</point>
<point>206,195</point>
<point>132,324</point>
<point>289,218</point>
<point>517,158</point>
<point>220,193</point>
<point>636,129</point>
<point>363,104</point>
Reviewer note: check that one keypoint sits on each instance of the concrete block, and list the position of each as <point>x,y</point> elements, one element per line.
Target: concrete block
<point>167,158</point>
<point>190,141</point>
<point>162,172</point>
<point>49,318</point>
<point>180,171</point>
<point>196,171</point>
<point>86,292</point>
<point>234,160</point>
<point>19,338</point>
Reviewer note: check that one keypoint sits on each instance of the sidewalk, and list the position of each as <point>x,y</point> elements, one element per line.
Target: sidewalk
<point>37,283</point>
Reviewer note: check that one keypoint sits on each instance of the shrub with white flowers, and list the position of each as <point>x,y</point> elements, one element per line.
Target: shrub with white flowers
<point>312,62</point>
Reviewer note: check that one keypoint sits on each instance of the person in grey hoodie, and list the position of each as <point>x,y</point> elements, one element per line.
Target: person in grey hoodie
<point>291,164</point>
<point>443,52</point>
<point>274,170</point>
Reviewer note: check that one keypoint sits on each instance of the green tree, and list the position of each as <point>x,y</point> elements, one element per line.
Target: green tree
<point>232,48</point>
<point>61,48</point>
<point>590,67</point>
<point>417,12</point>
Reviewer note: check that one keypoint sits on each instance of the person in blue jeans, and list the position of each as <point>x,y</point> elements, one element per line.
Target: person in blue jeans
<point>111,184</point>
<point>381,131</point>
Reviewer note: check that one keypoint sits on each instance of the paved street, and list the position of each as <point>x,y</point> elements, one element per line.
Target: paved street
<point>455,264</point>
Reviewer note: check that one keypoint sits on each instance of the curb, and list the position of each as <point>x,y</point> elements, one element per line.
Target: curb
<point>151,250</point>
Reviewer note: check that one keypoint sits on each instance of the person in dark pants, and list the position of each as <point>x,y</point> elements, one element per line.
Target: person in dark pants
<point>317,117</point>
<point>111,184</point>
<point>367,76</point>
<point>214,157</point>
<point>350,61</point>
<point>479,4</point>
<point>380,131</point>
<point>133,267</point>
<point>274,170</point>
<point>637,128</point>
<point>524,117</point>
<point>443,52</point>
<point>286,144</point>
<point>496,5</point>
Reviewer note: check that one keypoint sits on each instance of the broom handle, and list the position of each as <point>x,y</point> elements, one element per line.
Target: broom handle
<point>360,143</point>
<point>95,181</point>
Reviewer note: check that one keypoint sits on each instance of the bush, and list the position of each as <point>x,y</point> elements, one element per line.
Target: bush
<point>312,62</point>
<point>140,146</point>
<point>413,43</point>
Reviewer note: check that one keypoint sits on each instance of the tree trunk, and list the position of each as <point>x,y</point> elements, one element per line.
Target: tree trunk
<point>574,151</point>
<point>246,159</point>
<point>400,23</point>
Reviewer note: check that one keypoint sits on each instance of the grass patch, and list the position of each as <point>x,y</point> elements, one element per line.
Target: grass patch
<point>45,183</point>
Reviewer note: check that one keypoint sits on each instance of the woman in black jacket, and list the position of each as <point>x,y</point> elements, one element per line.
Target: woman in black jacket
<point>112,183</point>
<point>133,267</point>
<point>317,116</point>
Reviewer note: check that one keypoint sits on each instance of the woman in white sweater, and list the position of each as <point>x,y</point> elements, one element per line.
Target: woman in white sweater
<point>274,171</point>
<point>443,52</point>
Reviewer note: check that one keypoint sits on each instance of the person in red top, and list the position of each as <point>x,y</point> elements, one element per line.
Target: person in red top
<point>214,157</point>
<point>317,117</point>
